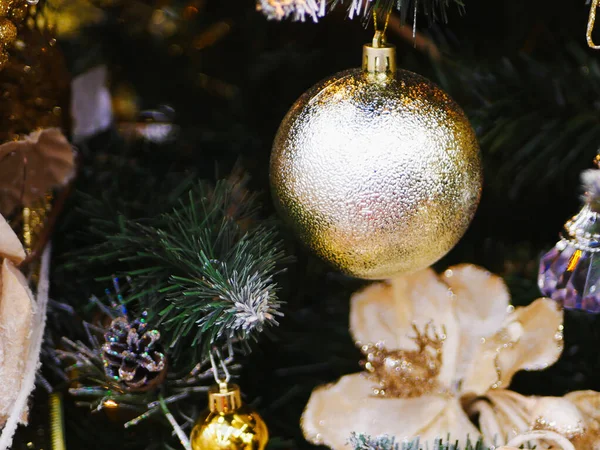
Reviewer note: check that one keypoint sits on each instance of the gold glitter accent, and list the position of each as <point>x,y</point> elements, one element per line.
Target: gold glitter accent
<point>569,432</point>
<point>57,422</point>
<point>33,221</point>
<point>590,26</point>
<point>10,19</point>
<point>378,173</point>
<point>8,32</point>
<point>574,260</point>
<point>5,7</point>
<point>503,342</point>
<point>406,373</point>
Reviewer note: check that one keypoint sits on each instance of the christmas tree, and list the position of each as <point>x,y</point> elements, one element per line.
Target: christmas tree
<point>205,246</point>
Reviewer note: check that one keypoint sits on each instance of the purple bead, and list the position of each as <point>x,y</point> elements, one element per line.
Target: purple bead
<point>571,277</point>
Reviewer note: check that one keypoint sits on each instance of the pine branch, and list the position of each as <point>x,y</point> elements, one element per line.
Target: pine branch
<point>362,442</point>
<point>207,272</point>
<point>536,120</point>
<point>84,368</point>
<point>300,10</point>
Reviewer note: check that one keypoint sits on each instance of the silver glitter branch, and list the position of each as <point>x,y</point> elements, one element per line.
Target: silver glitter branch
<point>299,10</point>
<point>296,9</point>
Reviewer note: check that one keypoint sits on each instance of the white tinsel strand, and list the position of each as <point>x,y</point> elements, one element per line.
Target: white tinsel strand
<point>297,9</point>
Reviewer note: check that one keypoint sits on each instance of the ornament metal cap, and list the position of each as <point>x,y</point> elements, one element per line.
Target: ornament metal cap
<point>223,398</point>
<point>379,57</point>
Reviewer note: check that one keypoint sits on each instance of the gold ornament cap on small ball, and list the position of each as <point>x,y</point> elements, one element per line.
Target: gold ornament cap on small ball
<point>228,424</point>
<point>377,170</point>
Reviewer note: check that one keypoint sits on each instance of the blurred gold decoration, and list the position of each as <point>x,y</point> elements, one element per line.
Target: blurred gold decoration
<point>67,17</point>
<point>191,10</point>
<point>35,83</point>
<point>12,13</point>
<point>31,167</point>
<point>228,424</point>
<point>485,342</point>
<point>125,102</point>
<point>8,31</point>
<point>163,22</point>
<point>376,169</point>
<point>212,35</point>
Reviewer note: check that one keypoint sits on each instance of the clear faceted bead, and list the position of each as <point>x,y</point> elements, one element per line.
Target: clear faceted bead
<point>571,275</point>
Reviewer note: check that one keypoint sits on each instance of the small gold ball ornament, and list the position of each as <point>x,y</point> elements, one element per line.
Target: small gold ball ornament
<point>228,424</point>
<point>377,170</point>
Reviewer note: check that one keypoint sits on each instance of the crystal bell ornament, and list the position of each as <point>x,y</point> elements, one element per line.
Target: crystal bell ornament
<point>570,272</point>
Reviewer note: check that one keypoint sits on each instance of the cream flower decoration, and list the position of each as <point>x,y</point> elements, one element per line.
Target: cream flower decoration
<point>438,348</point>
<point>17,309</point>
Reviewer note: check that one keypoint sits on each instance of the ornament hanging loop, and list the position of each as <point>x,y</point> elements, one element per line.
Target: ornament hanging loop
<point>222,382</point>
<point>590,26</point>
<point>379,57</point>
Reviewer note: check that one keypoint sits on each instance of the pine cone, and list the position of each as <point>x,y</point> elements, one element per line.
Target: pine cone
<point>132,355</point>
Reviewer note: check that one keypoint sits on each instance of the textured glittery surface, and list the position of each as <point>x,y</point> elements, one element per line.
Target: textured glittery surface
<point>378,174</point>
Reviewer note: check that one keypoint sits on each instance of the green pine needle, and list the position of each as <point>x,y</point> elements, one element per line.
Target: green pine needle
<point>536,120</point>
<point>207,271</point>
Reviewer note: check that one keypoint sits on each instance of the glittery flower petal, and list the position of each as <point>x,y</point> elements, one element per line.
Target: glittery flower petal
<point>481,305</point>
<point>335,411</point>
<point>588,402</point>
<point>385,312</point>
<point>530,339</point>
<point>558,414</point>
<point>453,422</point>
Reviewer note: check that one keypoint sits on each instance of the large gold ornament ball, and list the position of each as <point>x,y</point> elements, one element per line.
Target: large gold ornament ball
<point>378,174</point>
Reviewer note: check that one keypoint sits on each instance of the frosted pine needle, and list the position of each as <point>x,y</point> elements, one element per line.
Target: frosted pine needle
<point>254,302</point>
<point>363,442</point>
<point>297,9</point>
<point>206,269</point>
